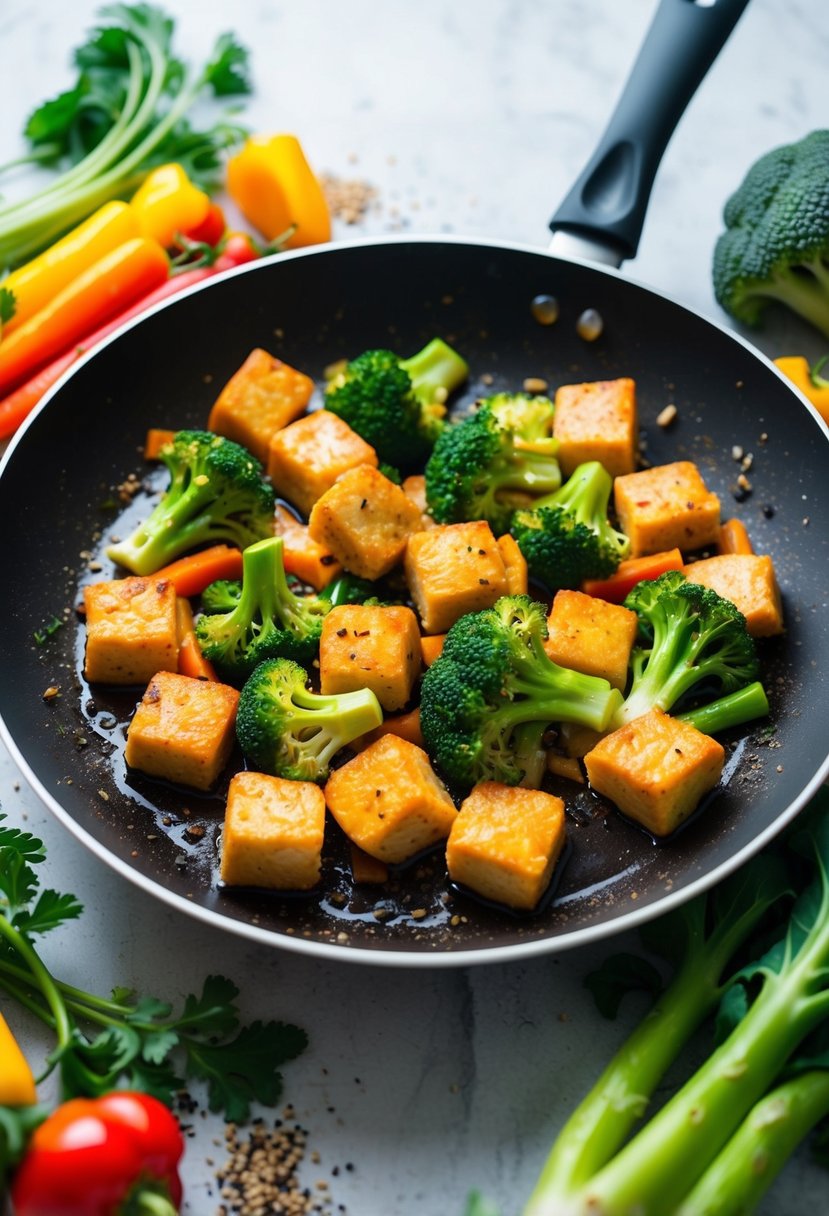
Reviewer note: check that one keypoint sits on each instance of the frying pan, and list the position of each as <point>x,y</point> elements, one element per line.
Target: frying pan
<point>312,307</point>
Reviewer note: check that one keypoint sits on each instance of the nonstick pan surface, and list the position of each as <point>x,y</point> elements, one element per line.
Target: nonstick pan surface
<point>58,504</point>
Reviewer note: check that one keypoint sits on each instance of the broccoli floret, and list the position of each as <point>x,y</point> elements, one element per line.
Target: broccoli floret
<point>288,731</point>
<point>776,243</point>
<point>221,596</point>
<point>269,621</point>
<point>566,537</point>
<point>493,461</point>
<point>690,639</point>
<point>216,493</point>
<point>488,699</point>
<point>398,405</point>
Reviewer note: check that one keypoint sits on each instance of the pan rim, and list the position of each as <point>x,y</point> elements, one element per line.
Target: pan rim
<point>390,956</point>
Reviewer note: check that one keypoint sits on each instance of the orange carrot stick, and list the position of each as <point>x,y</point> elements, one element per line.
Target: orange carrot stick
<point>630,572</point>
<point>155,440</point>
<point>733,538</point>
<point>105,288</point>
<point>191,661</point>
<point>191,574</point>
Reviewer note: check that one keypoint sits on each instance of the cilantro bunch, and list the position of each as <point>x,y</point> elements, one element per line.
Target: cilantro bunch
<point>125,115</point>
<point>130,1040</point>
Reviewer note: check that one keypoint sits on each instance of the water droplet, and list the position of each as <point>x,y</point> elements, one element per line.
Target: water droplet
<point>545,309</point>
<point>589,325</point>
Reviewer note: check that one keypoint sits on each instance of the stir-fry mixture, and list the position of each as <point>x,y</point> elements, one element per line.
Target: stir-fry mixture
<point>409,621</point>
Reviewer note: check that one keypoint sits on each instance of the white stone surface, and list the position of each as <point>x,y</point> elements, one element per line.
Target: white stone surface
<point>470,117</point>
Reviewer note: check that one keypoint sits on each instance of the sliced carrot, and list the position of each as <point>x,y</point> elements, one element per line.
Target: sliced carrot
<point>155,440</point>
<point>630,572</point>
<point>365,868</point>
<point>191,574</point>
<point>431,646</point>
<point>733,538</point>
<point>306,558</point>
<point>191,661</point>
<point>405,726</point>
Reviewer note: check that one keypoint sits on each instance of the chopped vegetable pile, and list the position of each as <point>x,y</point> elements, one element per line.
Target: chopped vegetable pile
<point>408,657</point>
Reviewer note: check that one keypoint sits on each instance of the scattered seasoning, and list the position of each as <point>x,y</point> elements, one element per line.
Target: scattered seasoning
<point>768,510</point>
<point>737,452</point>
<point>665,417</point>
<point>545,309</point>
<point>589,325</point>
<point>50,693</point>
<point>348,199</point>
<point>535,384</point>
<point>261,1175</point>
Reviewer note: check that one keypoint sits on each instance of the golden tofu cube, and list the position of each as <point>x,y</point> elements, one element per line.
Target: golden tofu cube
<point>389,801</point>
<point>666,507</point>
<point>363,646</point>
<point>415,487</point>
<point>515,564</point>
<point>589,635</point>
<point>259,399</point>
<point>505,843</point>
<point>454,569</point>
<point>749,581</point>
<point>655,769</point>
<point>365,521</point>
<point>273,832</point>
<point>307,457</point>
<point>597,421</point>
<point>131,630</point>
<point>183,730</point>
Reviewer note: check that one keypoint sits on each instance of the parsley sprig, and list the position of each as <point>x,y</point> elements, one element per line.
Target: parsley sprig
<point>127,1038</point>
<point>125,114</point>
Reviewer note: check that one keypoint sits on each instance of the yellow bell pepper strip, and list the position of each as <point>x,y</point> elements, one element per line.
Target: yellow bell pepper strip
<point>105,288</point>
<point>274,187</point>
<point>808,379</point>
<point>34,284</point>
<point>167,203</point>
<point>17,1085</point>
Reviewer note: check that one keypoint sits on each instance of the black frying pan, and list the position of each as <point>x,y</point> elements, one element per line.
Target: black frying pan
<point>312,307</point>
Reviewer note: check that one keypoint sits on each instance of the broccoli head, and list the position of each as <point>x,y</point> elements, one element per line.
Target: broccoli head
<point>398,405</point>
<point>488,699</point>
<point>691,640</point>
<point>566,537</point>
<point>288,731</point>
<point>494,460</point>
<point>216,493</point>
<point>268,621</point>
<point>223,595</point>
<point>776,242</point>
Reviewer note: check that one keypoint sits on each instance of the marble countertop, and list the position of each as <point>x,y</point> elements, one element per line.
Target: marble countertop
<point>468,118</point>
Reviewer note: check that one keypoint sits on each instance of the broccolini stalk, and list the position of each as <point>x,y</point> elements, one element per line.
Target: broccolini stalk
<point>657,1170</point>
<point>738,707</point>
<point>705,934</point>
<point>739,1177</point>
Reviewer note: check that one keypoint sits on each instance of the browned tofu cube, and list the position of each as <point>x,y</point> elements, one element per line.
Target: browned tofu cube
<point>263,396</point>
<point>365,521</point>
<point>273,831</point>
<point>591,636</point>
<point>749,581</point>
<point>389,801</point>
<point>452,570</point>
<point>183,730</point>
<point>364,646</point>
<point>307,457</point>
<point>505,843</point>
<point>666,507</point>
<point>415,487</point>
<point>515,564</point>
<point>655,769</point>
<point>131,630</point>
<point>597,421</point>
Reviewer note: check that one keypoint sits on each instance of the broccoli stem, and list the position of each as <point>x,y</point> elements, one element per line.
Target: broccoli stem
<point>324,724</point>
<point>557,694</point>
<point>738,707</point>
<point>604,1119</point>
<point>737,1179</point>
<point>435,372</point>
<point>654,1172</point>
<point>806,295</point>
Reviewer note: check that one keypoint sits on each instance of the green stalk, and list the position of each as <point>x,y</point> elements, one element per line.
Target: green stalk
<point>733,710</point>
<point>43,980</point>
<point>603,1120</point>
<point>737,1179</point>
<point>654,1172</point>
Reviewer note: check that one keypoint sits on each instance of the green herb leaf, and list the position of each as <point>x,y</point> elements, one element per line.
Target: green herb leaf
<point>228,72</point>
<point>157,1045</point>
<point>213,1014</point>
<point>145,1008</point>
<point>24,843</point>
<point>18,881</point>
<point>161,1080</point>
<point>247,1068</point>
<point>50,910</point>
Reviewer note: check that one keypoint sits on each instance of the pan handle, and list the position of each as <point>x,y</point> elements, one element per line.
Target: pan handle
<point>602,216</point>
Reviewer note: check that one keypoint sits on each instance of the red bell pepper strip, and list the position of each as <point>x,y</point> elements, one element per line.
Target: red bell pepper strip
<point>102,1157</point>
<point>630,572</point>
